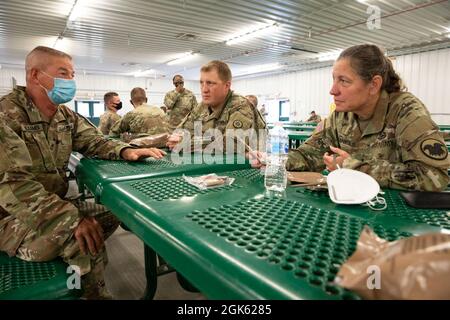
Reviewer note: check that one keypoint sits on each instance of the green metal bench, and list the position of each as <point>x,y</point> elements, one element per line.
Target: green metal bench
<point>23,280</point>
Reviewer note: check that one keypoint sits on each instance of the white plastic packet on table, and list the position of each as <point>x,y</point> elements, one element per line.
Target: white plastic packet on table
<point>209,181</point>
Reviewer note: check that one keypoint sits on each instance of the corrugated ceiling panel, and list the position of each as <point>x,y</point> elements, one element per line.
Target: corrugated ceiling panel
<point>114,32</point>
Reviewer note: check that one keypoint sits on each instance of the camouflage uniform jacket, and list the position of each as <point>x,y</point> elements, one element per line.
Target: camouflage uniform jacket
<point>236,113</point>
<point>178,106</point>
<point>34,158</point>
<point>107,120</point>
<point>315,119</point>
<point>400,146</point>
<point>143,120</point>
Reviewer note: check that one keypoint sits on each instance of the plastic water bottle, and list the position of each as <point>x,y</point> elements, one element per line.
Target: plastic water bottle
<point>277,153</point>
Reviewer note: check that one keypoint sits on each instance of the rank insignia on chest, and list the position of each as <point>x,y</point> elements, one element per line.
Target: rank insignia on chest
<point>31,127</point>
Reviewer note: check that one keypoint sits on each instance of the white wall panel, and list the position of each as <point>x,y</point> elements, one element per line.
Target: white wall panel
<point>427,75</point>
<point>306,90</point>
<point>95,86</point>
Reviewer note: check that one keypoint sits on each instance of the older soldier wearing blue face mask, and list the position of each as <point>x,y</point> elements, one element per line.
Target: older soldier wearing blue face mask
<point>37,223</point>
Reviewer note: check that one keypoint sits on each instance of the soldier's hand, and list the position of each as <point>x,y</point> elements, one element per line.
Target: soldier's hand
<point>173,140</point>
<point>180,88</point>
<point>131,154</point>
<point>89,235</point>
<point>332,161</point>
<point>257,159</point>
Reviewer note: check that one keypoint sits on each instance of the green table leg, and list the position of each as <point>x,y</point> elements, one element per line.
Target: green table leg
<point>150,273</point>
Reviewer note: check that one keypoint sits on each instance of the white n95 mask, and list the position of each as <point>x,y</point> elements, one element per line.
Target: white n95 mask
<point>347,186</point>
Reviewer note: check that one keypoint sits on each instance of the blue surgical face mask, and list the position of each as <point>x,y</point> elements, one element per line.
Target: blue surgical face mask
<point>63,90</point>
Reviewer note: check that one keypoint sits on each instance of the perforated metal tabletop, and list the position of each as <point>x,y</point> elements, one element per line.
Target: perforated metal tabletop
<point>94,174</point>
<point>236,243</point>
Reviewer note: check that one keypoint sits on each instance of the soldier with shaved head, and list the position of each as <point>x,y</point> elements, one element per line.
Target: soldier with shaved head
<point>37,222</point>
<point>110,117</point>
<point>144,120</point>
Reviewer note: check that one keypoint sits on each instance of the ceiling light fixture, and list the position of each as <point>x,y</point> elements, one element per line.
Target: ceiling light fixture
<point>329,56</point>
<point>259,31</point>
<point>143,73</point>
<point>182,58</point>
<point>77,9</point>
<point>58,42</point>
<point>260,68</point>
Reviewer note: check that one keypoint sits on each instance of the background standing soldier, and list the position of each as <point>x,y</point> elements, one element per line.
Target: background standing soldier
<point>179,102</point>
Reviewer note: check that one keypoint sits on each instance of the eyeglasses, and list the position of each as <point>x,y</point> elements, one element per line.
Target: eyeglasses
<point>178,83</point>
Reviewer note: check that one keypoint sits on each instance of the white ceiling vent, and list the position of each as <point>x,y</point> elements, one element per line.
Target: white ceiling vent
<point>187,36</point>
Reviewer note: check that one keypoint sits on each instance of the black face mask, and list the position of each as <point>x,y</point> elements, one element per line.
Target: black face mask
<point>118,106</point>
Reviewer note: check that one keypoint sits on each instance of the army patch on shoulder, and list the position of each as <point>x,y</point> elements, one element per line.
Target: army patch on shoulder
<point>434,149</point>
<point>237,124</point>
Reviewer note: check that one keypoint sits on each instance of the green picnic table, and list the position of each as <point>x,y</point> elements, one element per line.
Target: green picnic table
<point>94,174</point>
<point>235,242</point>
<point>296,138</point>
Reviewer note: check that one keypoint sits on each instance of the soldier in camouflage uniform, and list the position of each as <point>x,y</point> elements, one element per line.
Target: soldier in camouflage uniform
<point>221,108</point>
<point>36,222</point>
<point>110,117</point>
<point>315,118</point>
<point>179,102</point>
<point>377,128</point>
<point>144,120</point>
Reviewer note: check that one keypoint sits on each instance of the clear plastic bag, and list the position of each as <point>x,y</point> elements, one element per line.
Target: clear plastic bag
<point>209,181</point>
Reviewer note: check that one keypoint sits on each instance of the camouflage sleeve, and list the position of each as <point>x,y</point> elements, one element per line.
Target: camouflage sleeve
<point>193,102</point>
<point>423,152</point>
<point>170,99</point>
<point>115,132</point>
<point>103,125</point>
<point>121,126</point>
<point>309,156</point>
<point>188,122</point>
<point>25,198</point>
<point>90,142</point>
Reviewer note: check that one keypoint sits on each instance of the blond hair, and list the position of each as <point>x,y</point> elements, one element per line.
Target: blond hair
<point>222,69</point>
<point>138,96</point>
